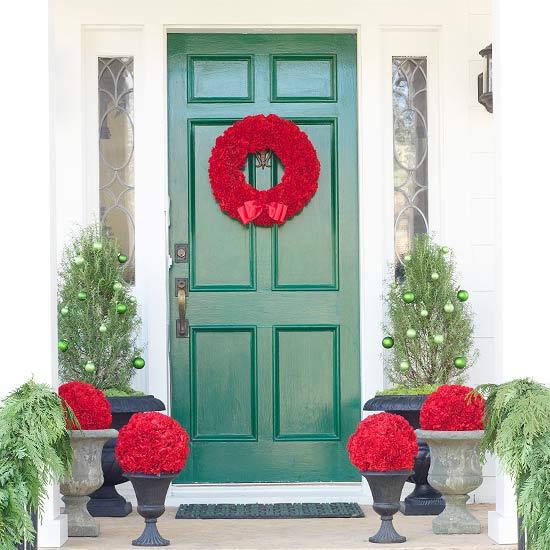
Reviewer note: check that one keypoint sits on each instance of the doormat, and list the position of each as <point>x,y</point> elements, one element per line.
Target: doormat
<point>270,511</point>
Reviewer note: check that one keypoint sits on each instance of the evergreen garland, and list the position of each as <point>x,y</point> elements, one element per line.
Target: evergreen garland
<point>35,450</point>
<point>97,315</point>
<point>517,432</point>
<point>427,340</point>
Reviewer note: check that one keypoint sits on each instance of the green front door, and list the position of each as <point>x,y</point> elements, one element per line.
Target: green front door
<point>267,382</point>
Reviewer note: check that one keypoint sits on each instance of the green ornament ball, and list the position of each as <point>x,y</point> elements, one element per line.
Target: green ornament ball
<point>439,339</point>
<point>82,295</point>
<point>407,258</point>
<point>89,366</point>
<point>121,308</point>
<point>394,285</point>
<point>435,276</point>
<point>62,345</point>
<point>448,307</point>
<point>404,366</point>
<point>122,258</point>
<point>133,299</point>
<point>445,249</point>
<point>387,342</point>
<point>138,363</point>
<point>102,328</point>
<point>64,310</point>
<point>411,333</point>
<point>117,286</point>
<point>408,297</point>
<point>460,362</point>
<point>462,295</point>
<point>97,245</point>
<point>423,312</point>
<point>79,260</point>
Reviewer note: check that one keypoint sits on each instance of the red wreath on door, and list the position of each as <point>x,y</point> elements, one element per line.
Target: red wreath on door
<point>263,136</point>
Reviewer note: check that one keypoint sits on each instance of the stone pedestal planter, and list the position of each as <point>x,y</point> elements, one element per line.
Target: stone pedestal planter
<point>106,501</point>
<point>386,490</point>
<point>455,471</point>
<point>86,477</point>
<point>151,492</point>
<point>424,500</point>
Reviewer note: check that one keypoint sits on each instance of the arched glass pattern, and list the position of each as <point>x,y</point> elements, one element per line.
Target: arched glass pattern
<point>410,151</point>
<point>116,154</point>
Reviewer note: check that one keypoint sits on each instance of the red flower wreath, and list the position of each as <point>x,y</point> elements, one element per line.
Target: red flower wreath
<point>254,134</point>
<point>89,405</point>
<point>383,442</point>
<point>452,408</point>
<point>152,443</point>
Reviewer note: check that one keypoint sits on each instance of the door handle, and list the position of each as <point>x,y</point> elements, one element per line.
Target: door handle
<point>182,325</point>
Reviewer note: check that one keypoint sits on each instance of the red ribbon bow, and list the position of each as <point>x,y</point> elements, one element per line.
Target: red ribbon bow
<point>250,210</point>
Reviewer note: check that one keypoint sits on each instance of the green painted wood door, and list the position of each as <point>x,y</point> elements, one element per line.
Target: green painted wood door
<point>267,383</point>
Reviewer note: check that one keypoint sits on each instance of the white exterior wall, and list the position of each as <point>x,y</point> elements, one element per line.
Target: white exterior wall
<point>462,192</point>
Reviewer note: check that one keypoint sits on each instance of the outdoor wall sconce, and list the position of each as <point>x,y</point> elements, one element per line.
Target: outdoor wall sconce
<point>485,80</point>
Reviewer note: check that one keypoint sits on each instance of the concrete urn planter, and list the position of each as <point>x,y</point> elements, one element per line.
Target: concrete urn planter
<point>455,471</point>
<point>87,476</point>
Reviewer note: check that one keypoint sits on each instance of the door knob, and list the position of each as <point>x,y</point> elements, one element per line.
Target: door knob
<point>182,325</point>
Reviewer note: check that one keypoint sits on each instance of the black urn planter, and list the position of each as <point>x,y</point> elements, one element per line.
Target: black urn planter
<point>151,492</point>
<point>424,500</point>
<point>106,502</point>
<point>386,490</point>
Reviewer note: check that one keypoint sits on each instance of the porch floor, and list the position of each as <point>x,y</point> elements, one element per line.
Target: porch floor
<point>283,534</point>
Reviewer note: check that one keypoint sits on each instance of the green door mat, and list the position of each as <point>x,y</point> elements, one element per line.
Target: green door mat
<point>270,511</point>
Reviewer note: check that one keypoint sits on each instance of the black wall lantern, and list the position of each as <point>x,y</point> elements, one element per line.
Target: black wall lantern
<point>485,80</point>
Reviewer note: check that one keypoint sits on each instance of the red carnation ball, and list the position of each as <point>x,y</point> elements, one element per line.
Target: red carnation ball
<point>453,408</point>
<point>383,442</point>
<point>89,405</point>
<point>152,443</point>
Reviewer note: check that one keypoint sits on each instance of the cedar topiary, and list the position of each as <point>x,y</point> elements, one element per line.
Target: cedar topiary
<point>429,331</point>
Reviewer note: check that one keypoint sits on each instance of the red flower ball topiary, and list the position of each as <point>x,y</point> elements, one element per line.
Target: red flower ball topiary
<point>383,442</point>
<point>452,408</point>
<point>89,405</point>
<point>152,443</point>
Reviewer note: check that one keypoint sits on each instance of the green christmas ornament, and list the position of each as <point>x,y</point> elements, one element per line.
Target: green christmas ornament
<point>102,328</point>
<point>411,333</point>
<point>448,307</point>
<point>462,295</point>
<point>394,285</point>
<point>97,245</point>
<point>117,286</point>
<point>404,366</point>
<point>387,342</point>
<point>79,260</point>
<point>122,258</point>
<point>435,276</point>
<point>82,295</point>
<point>439,339</point>
<point>62,345</point>
<point>407,258</point>
<point>460,362</point>
<point>445,249</point>
<point>423,312</point>
<point>89,366</point>
<point>121,308</point>
<point>138,363</point>
<point>133,299</point>
<point>408,297</point>
<point>64,310</point>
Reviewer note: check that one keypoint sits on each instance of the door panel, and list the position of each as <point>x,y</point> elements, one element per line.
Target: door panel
<point>268,381</point>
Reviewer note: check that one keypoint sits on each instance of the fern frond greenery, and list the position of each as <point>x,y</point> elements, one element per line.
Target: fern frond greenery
<point>35,450</point>
<point>517,432</point>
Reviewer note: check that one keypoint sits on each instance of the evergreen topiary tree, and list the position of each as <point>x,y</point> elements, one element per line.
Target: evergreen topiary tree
<point>97,315</point>
<point>430,325</point>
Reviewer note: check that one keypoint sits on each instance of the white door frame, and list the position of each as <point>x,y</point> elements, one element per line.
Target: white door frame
<point>85,32</point>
